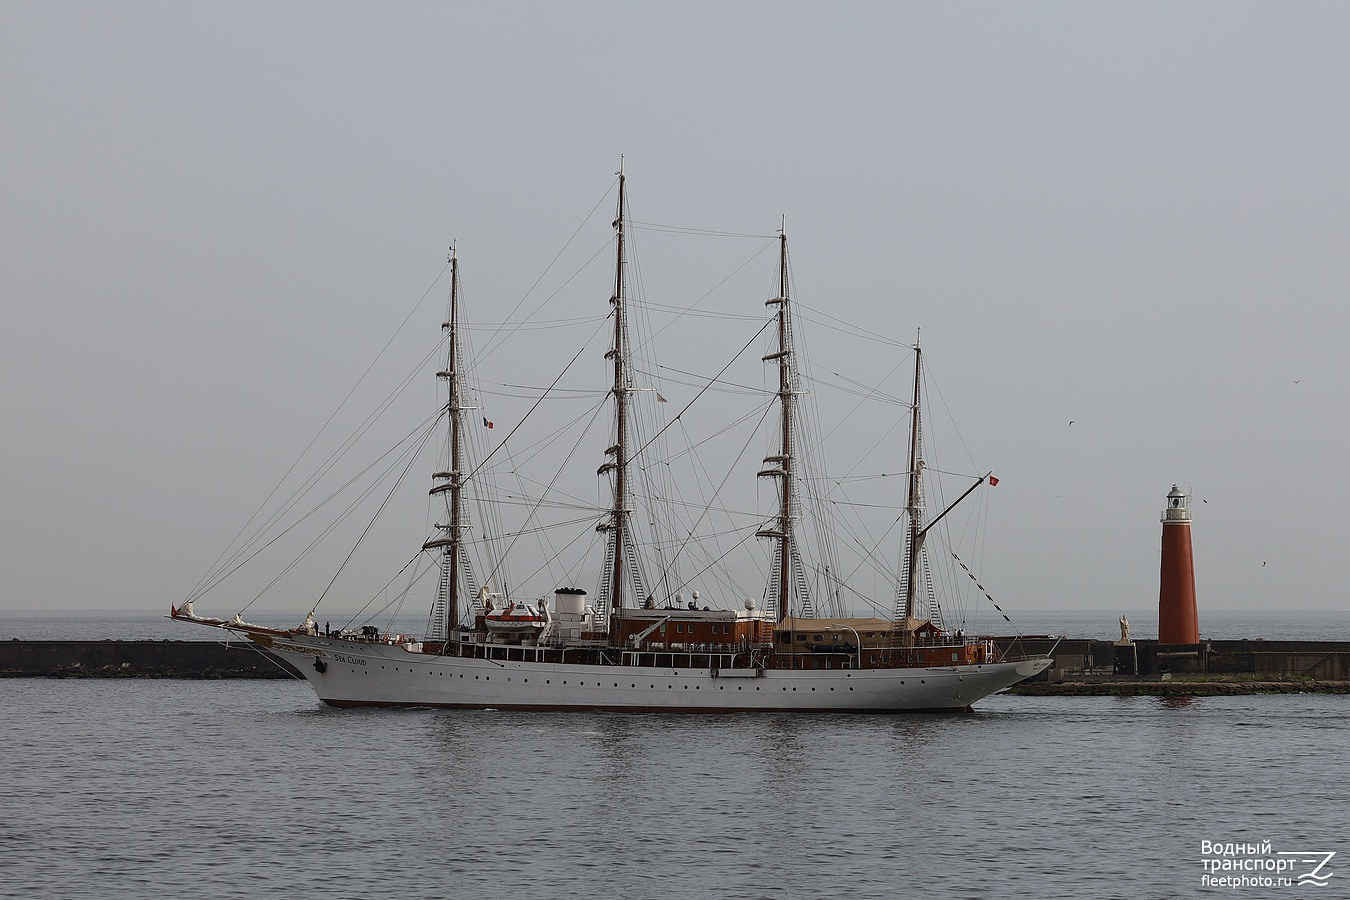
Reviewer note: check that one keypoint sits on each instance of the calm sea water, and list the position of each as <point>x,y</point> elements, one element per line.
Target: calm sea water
<point>1322,625</point>
<point>136,789</point>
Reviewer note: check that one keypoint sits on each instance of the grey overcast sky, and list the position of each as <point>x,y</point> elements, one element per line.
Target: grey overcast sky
<point>1133,216</point>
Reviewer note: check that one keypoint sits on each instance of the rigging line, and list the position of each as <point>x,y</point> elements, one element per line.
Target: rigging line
<point>488,350</point>
<point>322,428</point>
<point>707,507</point>
<point>847,415</point>
<point>679,229</point>
<point>356,615</point>
<point>849,327</point>
<point>947,409</point>
<point>528,413</point>
<point>541,528</point>
<point>869,555</point>
<point>527,324</point>
<point>748,388</point>
<point>534,511</point>
<point>351,507</point>
<point>691,448</point>
<point>856,505</point>
<point>298,522</point>
<point>701,314</point>
<point>719,560</point>
<point>546,442</point>
<point>870,390</point>
<point>215,575</point>
<point>412,457</point>
<point>495,341</point>
<point>566,547</point>
<point>579,395</point>
<point>840,479</point>
<point>753,338</point>
<point>534,389</point>
<point>556,505</point>
<point>653,335</point>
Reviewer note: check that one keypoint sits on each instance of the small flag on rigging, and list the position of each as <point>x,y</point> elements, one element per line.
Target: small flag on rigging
<point>486,422</point>
<point>993,482</point>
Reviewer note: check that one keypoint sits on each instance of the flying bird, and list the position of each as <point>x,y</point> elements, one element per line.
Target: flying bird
<point>1071,422</point>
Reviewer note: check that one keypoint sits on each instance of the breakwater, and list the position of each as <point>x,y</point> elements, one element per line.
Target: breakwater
<point>1319,660</point>
<point>1210,668</point>
<point>139,659</point>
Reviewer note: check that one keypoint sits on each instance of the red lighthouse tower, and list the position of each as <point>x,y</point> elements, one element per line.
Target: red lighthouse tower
<point>1178,622</point>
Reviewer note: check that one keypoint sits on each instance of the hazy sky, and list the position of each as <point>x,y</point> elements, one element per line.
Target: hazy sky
<point>1131,216</point>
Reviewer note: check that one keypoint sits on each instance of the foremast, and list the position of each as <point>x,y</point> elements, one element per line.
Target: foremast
<point>779,466</point>
<point>450,482</point>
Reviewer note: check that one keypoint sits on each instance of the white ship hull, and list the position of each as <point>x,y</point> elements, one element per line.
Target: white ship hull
<point>373,674</point>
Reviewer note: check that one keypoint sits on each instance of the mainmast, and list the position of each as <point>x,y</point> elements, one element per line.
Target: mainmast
<point>782,461</point>
<point>618,463</point>
<point>451,482</point>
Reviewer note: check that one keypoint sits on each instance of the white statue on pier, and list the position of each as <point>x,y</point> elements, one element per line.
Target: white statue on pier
<point>1124,630</point>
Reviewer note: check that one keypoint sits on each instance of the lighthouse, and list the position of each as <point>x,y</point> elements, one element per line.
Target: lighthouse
<point>1178,622</point>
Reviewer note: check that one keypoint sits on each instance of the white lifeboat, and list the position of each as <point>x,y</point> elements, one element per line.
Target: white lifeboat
<point>516,617</point>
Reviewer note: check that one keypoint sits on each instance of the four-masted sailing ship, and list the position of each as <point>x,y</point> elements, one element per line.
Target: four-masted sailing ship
<point>632,650</point>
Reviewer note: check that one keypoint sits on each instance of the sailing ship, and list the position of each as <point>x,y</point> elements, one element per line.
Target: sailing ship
<point>639,648</point>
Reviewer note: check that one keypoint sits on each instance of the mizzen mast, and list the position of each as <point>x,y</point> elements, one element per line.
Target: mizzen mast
<point>914,503</point>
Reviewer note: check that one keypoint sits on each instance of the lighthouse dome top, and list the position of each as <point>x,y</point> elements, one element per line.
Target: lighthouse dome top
<point>1176,506</point>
